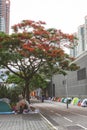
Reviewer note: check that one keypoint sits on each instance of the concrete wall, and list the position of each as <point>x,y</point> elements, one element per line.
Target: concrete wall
<point>75,87</point>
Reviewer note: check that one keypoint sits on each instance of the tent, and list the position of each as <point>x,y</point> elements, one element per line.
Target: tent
<point>75,101</point>
<point>24,107</point>
<point>84,103</point>
<point>68,99</point>
<point>63,100</point>
<point>22,103</point>
<point>5,100</point>
<point>5,108</point>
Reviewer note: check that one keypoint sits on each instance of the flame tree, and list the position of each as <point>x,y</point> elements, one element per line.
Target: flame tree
<point>33,49</point>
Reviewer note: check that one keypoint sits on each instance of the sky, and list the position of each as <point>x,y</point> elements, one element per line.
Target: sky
<point>65,15</point>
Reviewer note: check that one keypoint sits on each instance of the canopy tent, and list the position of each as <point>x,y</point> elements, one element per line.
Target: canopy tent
<point>5,108</point>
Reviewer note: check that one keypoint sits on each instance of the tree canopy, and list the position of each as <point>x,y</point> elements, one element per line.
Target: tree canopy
<point>33,49</point>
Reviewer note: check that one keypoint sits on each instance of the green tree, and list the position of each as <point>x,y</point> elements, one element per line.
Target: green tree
<point>32,48</point>
<point>38,81</point>
<point>14,93</point>
<point>10,93</point>
<point>3,91</point>
<point>19,83</point>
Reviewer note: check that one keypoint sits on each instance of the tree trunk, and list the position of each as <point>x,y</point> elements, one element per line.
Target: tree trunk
<point>27,93</point>
<point>24,92</point>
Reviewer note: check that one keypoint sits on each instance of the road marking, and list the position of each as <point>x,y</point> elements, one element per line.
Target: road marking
<point>68,119</point>
<point>48,121</point>
<point>78,114</point>
<point>58,114</point>
<point>82,126</point>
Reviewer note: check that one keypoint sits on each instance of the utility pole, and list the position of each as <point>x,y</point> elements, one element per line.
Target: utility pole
<point>66,87</point>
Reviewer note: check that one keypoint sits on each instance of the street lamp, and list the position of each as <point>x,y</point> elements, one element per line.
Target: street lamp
<point>66,88</point>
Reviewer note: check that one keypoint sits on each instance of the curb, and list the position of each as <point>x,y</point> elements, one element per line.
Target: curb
<point>49,122</point>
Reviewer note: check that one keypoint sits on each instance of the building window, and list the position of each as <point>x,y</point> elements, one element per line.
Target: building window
<point>81,74</point>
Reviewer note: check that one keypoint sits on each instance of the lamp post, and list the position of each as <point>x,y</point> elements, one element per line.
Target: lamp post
<point>66,87</point>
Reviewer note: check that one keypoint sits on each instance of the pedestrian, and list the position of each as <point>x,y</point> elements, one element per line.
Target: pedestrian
<point>21,109</point>
<point>43,97</point>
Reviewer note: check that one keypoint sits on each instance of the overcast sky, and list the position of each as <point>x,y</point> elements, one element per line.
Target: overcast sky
<point>66,15</point>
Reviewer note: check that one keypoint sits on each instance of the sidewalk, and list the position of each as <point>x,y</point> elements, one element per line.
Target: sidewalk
<point>31,121</point>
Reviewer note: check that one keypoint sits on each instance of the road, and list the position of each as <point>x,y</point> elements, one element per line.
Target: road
<point>73,118</point>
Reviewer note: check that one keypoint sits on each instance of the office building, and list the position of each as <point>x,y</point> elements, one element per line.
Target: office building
<point>75,49</point>
<point>82,40</point>
<point>4,15</point>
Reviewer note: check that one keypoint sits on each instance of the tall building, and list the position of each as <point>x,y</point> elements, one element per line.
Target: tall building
<point>74,51</point>
<point>4,15</point>
<point>82,40</point>
<point>85,31</point>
